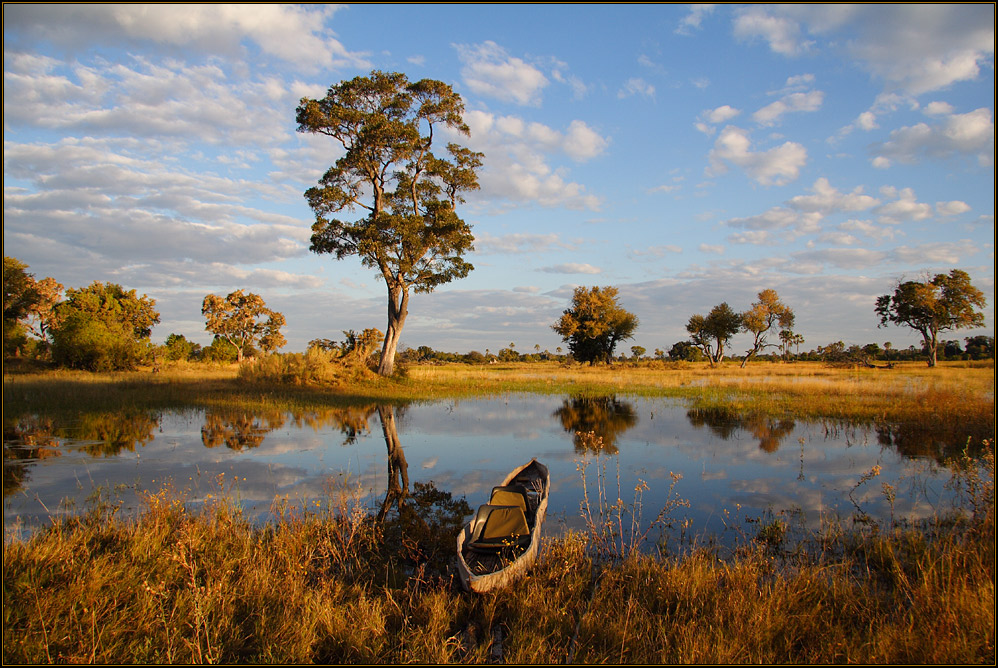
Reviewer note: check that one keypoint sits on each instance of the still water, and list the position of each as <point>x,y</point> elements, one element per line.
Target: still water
<point>732,468</point>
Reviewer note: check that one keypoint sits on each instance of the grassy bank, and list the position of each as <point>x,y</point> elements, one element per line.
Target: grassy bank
<point>335,586</point>
<point>906,393</point>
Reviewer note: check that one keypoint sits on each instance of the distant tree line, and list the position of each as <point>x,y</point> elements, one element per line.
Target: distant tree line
<point>104,327</point>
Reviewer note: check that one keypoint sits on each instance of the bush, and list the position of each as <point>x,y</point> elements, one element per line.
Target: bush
<point>83,342</point>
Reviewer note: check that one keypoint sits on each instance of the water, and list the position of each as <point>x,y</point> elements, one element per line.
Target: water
<point>732,468</point>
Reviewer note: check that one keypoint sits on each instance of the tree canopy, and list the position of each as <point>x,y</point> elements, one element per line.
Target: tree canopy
<point>27,304</point>
<point>102,327</point>
<point>410,232</point>
<point>762,317</point>
<point>243,320</point>
<point>711,333</point>
<point>594,324</point>
<point>941,303</point>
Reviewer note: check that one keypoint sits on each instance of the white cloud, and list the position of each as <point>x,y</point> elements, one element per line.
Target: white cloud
<point>783,34</point>
<point>971,134</point>
<point>905,208</point>
<point>518,167</point>
<point>582,143</point>
<point>953,208</point>
<point>938,109</point>
<point>636,86</point>
<point>488,70</point>
<point>827,199</point>
<point>721,114</point>
<point>771,113</point>
<point>710,248</point>
<point>777,166</point>
<point>293,33</point>
<point>692,21</point>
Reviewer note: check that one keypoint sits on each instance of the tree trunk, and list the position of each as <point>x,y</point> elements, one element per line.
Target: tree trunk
<point>930,338</point>
<point>398,309</point>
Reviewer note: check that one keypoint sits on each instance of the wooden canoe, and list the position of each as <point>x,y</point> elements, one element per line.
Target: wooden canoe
<point>502,540</point>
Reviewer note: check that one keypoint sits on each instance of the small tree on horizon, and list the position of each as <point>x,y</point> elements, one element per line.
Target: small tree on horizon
<point>243,319</point>
<point>594,324</point>
<point>711,333</point>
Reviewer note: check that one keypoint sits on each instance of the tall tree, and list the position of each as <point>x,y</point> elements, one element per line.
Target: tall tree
<point>594,324</point>
<point>762,317</point>
<point>711,333</point>
<point>941,303</point>
<point>411,233</point>
<point>243,320</point>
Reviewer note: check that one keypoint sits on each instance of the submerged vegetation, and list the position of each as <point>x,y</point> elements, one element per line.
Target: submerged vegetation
<point>345,582</point>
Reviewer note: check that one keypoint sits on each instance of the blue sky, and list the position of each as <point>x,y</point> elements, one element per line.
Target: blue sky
<point>686,154</point>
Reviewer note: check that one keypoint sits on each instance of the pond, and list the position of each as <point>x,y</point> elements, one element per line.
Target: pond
<point>732,468</point>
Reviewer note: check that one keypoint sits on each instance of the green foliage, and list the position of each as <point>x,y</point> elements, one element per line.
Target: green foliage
<point>944,302</point>
<point>685,351</point>
<point>178,348</point>
<point>83,341</point>
<point>221,350</point>
<point>712,333</point>
<point>594,324</point>
<point>102,327</point>
<point>243,320</point>
<point>27,307</point>
<point>410,234</point>
<point>981,347</point>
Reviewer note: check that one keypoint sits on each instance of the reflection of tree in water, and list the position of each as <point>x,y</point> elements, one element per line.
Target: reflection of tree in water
<point>725,423</point>
<point>938,442</point>
<point>398,467</point>
<point>239,430</point>
<point>352,421</point>
<point>422,530</point>
<point>25,442</point>
<point>113,432</point>
<point>606,417</point>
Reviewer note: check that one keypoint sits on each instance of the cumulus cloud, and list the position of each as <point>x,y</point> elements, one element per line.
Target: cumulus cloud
<point>794,102</point>
<point>914,48</point>
<point>293,33</point>
<point>489,70</point>
<point>953,208</point>
<point>971,134</point>
<point>519,167</point>
<point>777,166</point>
<point>827,199</point>
<point>905,208</point>
<point>783,34</point>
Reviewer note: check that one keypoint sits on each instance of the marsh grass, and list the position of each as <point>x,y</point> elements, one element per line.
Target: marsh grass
<point>168,585</point>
